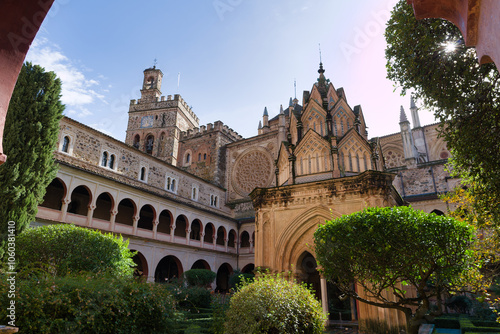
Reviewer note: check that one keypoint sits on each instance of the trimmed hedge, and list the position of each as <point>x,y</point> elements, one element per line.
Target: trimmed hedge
<point>90,305</point>
<point>64,249</point>
<point>199,277</point>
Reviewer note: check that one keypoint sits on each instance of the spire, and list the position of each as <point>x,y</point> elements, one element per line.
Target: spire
<point>265,112</point>
<point>260,125</point>
<point>412,103</point>
<point>321,70</point>
<point>291,102</point>
<point>281,108</point>
<point>402,116</point>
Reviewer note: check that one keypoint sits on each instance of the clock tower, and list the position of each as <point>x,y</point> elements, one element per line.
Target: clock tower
<point>155,123</point>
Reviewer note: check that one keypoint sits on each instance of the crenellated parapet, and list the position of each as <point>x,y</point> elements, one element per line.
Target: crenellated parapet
<point>210,128</point>
<point>162,103</point>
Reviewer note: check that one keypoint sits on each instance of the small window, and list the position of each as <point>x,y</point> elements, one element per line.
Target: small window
<point>137,139</point>
<point>205,156</point>
<point>169,183</point>
<point>199,156</point>
<point>65,146</point>
<point>112,161</point>
<point>172,187</point>
<point>104,161</point>
<point>142,176</point>
<point>149,144</point>
<point>194,194</point>
<point>188,157</point>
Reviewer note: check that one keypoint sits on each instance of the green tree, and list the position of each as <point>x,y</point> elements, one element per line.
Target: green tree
<point>30,135</point>
<point>64,249</point>
<point>429,57</point>
<point>385,249</point>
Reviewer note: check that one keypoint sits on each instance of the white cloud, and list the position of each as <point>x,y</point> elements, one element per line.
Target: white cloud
<point>77,89</point>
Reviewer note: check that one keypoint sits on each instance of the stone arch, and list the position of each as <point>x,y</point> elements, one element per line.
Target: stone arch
<point>149,143</point>
<point>141,264</point>
<point>222,281</point>
<point>55,194</point>
<point>181,226</point>
<point>209,233</point>
<point>168,268</point>
<point>81,197</point>
<point>307,272</point>
<point>137,141</point>
<point>221,236</point>
<point>393,156</point>
<point>244,239</point>
<point>201,264</point>
<point>438,212</point>
<point>196,228</point>
<point>248,269</point>
<point>294,240</point>
<point>165,220</point>
<point>126,212</point>
<point>437,149</point>
<point>231,239</point>
<point>147,217</point>
<point>104,205</point>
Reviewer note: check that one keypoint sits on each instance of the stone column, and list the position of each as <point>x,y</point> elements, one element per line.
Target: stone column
<point>112,219</point>
<point>324,296</point>
<point>90,213</point>
<point>155,228</point>
<point>136,221</point>
<point>64,208</point>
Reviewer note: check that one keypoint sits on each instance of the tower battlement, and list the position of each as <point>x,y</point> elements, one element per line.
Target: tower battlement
<point>217,126</point>
<point>169,102</point>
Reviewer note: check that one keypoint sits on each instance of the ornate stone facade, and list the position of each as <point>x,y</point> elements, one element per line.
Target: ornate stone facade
<point>190,196</point>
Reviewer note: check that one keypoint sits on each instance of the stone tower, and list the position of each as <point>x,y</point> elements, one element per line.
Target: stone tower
<point>155,123</point>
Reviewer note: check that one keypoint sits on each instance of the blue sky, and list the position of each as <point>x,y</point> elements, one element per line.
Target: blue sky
<point>235,57</point>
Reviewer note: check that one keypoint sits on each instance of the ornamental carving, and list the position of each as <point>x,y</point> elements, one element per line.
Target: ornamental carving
<point>252,170</point>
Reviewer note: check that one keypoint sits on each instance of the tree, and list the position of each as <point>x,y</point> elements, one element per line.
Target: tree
<point>30,135</point>
<point>429,57</point>
<point>385,249</point>
<point>65,249</point>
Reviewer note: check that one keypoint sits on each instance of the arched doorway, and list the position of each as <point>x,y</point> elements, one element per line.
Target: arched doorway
<point>248,269</point>
<point>168,269</point>
<point>56,191</point>
<point>201,264</point>
<point>308,273</point>
<point>80,200</point>
<point>225,270</point>
<point>141,268</point>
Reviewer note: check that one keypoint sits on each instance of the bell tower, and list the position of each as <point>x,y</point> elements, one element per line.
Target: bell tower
<point>151,85</point>
<point>155,123</point>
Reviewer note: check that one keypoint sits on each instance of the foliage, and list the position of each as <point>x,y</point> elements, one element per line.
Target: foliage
<point>220,305</point>
<point>237,277</point>
<point>30,136</point>
<point>372,326</point>
<point>462,94</point>
<point>64,249</point>
<point>272,304</point>
<point>84,304</point>
<point>199,277</point>
<point>384,249</point>
<point>193,297</point>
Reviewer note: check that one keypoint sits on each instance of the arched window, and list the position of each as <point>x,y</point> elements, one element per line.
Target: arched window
<point>194,194</point>
<point>137,139</point>
<point>168,183</point>
<point>199,156</point>
<point>112,161</point>
<point>350,162</point>
<point>149,144</point>
<point>172,188</point>
<point>65,146</point>
<point>204,156</point>
<point>143,174</point>
<point>366,161</point>
<point>188,157</point>
<point>104,161</point>
<point>357,162</point>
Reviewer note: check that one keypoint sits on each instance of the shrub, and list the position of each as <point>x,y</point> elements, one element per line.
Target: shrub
<point>63,249</point>
<point>199,277</point>
<point>193,297</point>
<point>90,305</point>
<point>237,278</point>
<point>272,304</point>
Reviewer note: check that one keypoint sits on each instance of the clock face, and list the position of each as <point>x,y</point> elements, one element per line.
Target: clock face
<point>147,121</point>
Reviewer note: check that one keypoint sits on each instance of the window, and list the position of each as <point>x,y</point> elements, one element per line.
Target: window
<point>188,157</point>
<point>170,184</point>
<point>137,140</point>
<point>172,187</point>
<point>149,144</point>
<point>65,146</point>
<point>104,161</point>
<point>142,175</point>
<point>194,193</point>
<point>205,156</point>
<point>199,156</point>
<point>112,161</point>
<point>213,200</point>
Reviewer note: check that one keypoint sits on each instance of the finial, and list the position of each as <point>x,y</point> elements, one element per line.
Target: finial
<point>154,63</point>
<point>260,125</point>
<point>265,112</point>
<point>290,103</point>
<point>319,44</point>
<point>281,108</point>
<point>295,86</point>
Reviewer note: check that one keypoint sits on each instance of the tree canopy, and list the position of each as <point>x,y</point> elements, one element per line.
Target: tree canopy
<point>30,136</point>
<point>385,249</point>
<point>429,57</point>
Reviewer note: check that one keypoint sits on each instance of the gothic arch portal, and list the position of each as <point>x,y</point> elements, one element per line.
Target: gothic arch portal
<point>298,238</point>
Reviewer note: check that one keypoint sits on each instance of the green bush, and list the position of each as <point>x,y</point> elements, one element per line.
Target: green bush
<point>64,249</point>
<point>199,277</point>
<point>237,278</point>
<point>272,304</point>
<point>193,297</point>
<point>90,305</point>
